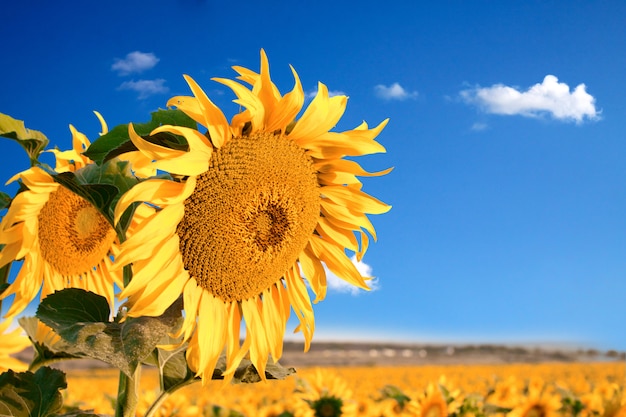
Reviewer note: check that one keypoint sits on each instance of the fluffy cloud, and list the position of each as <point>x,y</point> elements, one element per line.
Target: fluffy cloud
<point>394,92</point>
<point>331,93</point>
<point>550,97</point>
<point>135,62</point>
<point>337,284</point>
<point>145,88</point>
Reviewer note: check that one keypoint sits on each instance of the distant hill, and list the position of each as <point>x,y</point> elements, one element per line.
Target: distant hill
<point>379,353</point>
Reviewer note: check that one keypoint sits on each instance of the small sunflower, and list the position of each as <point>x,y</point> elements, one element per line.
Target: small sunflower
<point>264,199</point>
<point>326,395</point>
<point>11,342</point>
<point>431,403</point>
<point>63,239</point>
<point>541,401</point>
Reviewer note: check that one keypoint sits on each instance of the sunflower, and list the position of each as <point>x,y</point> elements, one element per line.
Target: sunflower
<point>264,200</point>
<point>325,395</point>
<point>63,239</point>
<point>541,401</point>
<point>11,342</point>
<point>432,403</point>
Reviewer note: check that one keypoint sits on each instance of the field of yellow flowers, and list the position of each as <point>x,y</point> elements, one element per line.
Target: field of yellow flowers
<point>517,390</point>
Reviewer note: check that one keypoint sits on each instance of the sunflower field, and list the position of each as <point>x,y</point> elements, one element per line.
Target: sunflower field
<point>529,390</point>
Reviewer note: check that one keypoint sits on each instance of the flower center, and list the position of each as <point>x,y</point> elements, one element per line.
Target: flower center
<point>435,410</point>
<point>535,411</point>
<point>73,236</point>
<point>250,216</point>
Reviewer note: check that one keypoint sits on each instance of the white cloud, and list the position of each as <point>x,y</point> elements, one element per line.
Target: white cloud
<point>394,92</point>
<point>551,97</point>
<point>337,284</point>
<point>145,88</point>
<point>478,127</point>
<point>135,62</point>
<point>331,93</point>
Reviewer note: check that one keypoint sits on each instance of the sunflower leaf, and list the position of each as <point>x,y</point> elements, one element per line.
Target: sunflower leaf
<point>45,353</point>
<point>117,141</point>
<point>81,318</point>
<point>72,306</point>
<point>28,394</point>
<point>112,173</point>
<point>246,372</point>
<point>32,141</point>
<point>5,200</point>
<point>173,369</point>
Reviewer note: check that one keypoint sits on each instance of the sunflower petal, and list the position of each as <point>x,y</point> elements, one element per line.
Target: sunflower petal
<point>355,199</point>
<point>314,273</point>
<point>337,261</point>
<point>211,116</point>
<point>155,191</point>
<point>287,108</point>
<point>319,117</point>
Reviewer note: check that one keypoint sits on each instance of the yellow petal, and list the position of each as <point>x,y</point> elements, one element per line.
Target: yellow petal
<point>156,191</point>
<point>287,108</point>
<point>211,330</point>
<point>79,141</point>
<point>314,273</point>
<point>326,166</point>
<point>345,217</point>
<point>336,234</point>
<point>259,350</point>
<point>337,261</point>
<point>192,293</point>
<point>301,304</point>
<point>319,117</point>
<point>248,100</point>
<point>212,117</point>
<point>354,199</point>
<point>103,124</point>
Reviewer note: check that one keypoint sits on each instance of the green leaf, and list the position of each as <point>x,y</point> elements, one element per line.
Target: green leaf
<point>32,141</point>
<point>26,394</point>
<point>45,353</point>
<point>246,372</point>
<point>72,306</point>
<point>391,391</point>
<point>493,409</point>
<point>81,318</point>
<point>172,365</point>
<point>117,141</point>
<point>5,200</point>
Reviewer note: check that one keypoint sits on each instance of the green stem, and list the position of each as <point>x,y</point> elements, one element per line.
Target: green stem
<point>165,395</point>
<point>127,394</point>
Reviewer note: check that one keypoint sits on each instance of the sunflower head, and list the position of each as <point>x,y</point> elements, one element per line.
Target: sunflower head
<point>60,225</point>
<point>264,201</point>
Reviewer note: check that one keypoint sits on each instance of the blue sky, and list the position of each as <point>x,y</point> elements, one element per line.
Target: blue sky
<point>507,134</point>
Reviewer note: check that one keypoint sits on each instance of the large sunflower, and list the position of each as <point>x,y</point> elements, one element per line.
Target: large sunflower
<point>264,200</point>
<point>63,239</point>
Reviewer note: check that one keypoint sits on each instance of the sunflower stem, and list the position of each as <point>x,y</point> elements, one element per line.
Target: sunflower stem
<point>165,395</point>
<point>127,394</point>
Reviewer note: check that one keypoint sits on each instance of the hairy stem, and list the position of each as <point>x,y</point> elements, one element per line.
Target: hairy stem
<point>127,394</point>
